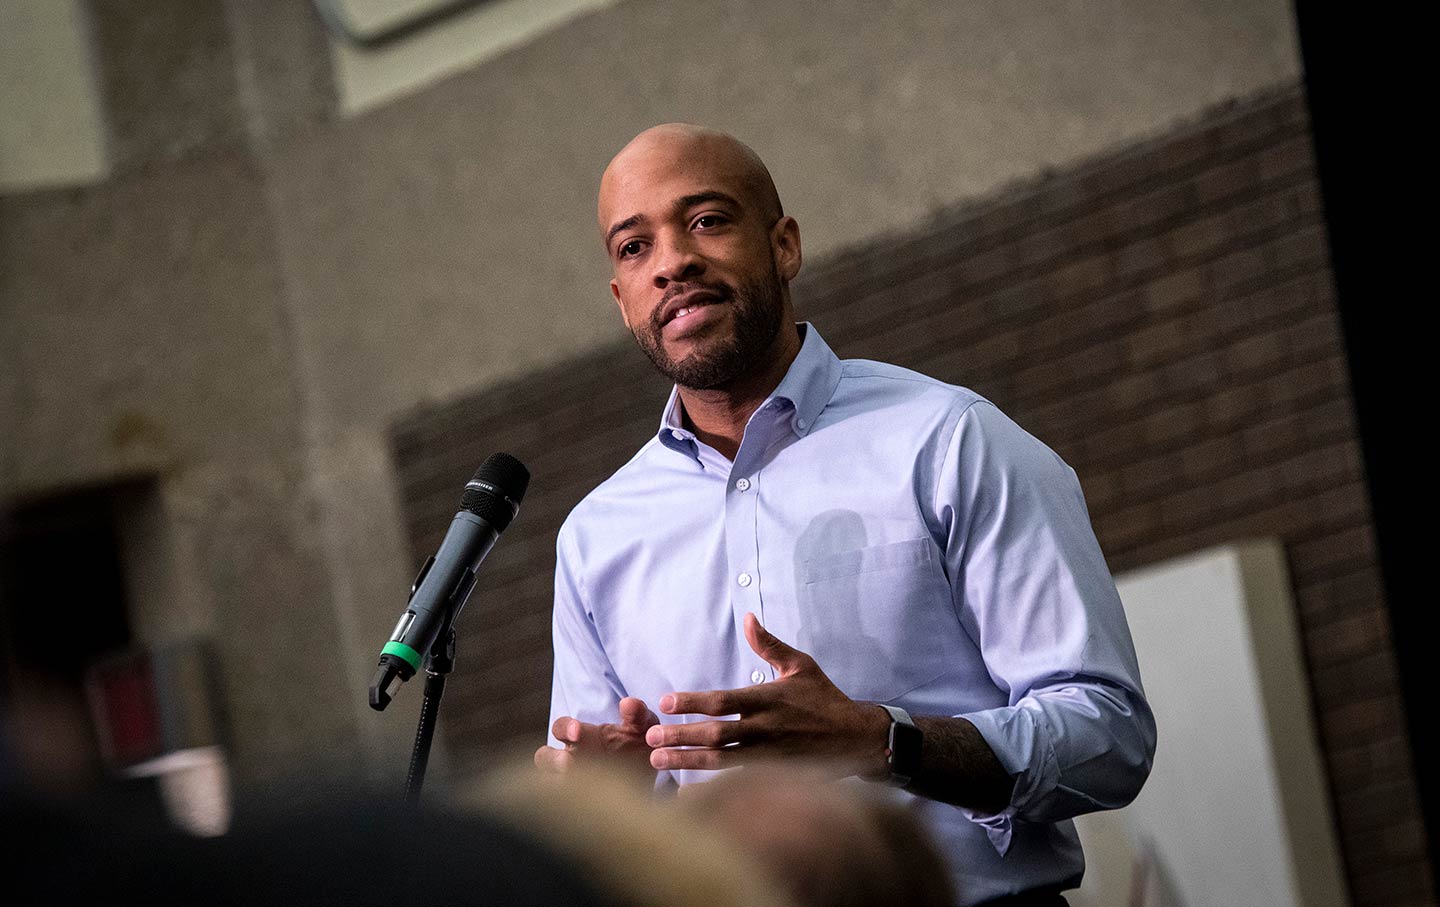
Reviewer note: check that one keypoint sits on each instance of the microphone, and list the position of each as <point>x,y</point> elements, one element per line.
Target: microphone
<point>491,500</point>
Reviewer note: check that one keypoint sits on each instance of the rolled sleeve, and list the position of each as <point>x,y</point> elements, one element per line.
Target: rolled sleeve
<point>1032,589</point>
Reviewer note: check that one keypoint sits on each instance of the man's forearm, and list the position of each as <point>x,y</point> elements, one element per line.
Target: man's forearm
<point>957,766</point>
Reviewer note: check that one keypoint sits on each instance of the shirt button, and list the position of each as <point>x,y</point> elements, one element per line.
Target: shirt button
<point>757,677</point>
<point>677,434</point>
<point>743,579</point>
<point>743,484</point>
<point>801,423</point>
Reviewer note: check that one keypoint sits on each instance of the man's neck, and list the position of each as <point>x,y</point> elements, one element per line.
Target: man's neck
<point>718,416</point>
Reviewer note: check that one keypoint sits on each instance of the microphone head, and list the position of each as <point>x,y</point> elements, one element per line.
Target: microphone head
<point>495,491</point>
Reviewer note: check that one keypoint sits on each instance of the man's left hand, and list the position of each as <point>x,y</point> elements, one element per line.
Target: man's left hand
<point>801,713</point>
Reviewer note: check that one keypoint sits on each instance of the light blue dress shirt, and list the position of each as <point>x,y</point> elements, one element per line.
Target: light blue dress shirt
<point>921,546</point>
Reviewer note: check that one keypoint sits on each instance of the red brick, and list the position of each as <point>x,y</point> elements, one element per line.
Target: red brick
<point>1180,420</point>
<point>1141,256</point>
<point>1342,594</point>
<point>1329,420</point>
<point>1174,290</point>
<point>1358,720</point>
<point>1295,298</point>
<point>1260,215</point>
<point>1141,480</point>
<point>1370,761</point>
<point>1200,238</point>
<point>1238,267</point>
<point>1186,152</point>
<point>1154,342</point>
<point>1365,669</point>
<point>1345,640</point>
<point>1286,431</point>
<point>1261,351</point>
<point>1079,277</point>
<point>1318,379</point>
<point>1307,246</point>
<point>1306,199</point>
<point>1234,403</point>
<point>1293,155</point>
<point>987,265</point>
<point>1319,334</point>
<point>1101,489</point>
<point>1210,457</point>
<point>1334,553</point>
<point>1198,374</point>
<point>1292,111</point>
<point>1156,206</point>
<point>1124,528</point>
<point>1226,180</point>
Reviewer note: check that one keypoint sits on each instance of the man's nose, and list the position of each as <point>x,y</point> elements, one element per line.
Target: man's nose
<point>678,260</point>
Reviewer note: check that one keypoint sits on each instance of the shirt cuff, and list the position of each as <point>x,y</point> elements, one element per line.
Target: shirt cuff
<point>1020,740</point>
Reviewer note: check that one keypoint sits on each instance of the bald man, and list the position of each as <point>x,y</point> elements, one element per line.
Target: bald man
<point>832,560</point>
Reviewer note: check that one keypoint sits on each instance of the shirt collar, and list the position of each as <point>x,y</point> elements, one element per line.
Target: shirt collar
<point>807,387</point>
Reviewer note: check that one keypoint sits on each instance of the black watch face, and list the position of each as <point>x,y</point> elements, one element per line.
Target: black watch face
<point>905,751</point>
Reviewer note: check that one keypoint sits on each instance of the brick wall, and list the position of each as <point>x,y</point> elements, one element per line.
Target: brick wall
<point>1164,318</point>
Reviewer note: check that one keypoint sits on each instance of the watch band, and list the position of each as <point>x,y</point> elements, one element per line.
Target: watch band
<point>903,746</point>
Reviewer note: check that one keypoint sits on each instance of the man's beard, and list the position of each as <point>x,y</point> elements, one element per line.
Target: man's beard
<point>758,312</point>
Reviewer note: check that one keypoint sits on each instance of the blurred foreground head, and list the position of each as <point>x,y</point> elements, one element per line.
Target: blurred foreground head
<point>637,849</point>
<point>768,835</point>
<point>835,843</point>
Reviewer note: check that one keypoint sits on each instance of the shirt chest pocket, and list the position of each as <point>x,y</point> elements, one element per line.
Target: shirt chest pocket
<point>878,620</point>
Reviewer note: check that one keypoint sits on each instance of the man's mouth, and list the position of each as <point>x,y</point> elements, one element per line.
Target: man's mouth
<point>687,304</point>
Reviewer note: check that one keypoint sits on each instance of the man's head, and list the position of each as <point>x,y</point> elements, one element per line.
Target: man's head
<point>701,252</point>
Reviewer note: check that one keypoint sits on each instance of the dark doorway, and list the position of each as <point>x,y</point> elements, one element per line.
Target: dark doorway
<point>62,606</point>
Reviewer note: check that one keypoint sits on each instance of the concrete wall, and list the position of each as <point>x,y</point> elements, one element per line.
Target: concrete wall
<point>262,286</point>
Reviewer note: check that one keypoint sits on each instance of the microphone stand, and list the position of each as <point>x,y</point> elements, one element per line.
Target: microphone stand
<point>438,664</point>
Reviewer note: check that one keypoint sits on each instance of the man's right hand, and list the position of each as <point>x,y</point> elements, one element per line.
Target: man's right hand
<point>623,743</point>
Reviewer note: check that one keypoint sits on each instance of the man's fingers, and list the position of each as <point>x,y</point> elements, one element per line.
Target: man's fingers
<point>565,729</point>
<point>701,760</point>
<point>634,713</point>
<point>701,733</point>
<point>574,731</point>
<point>783,657</point>
<point>716,702</point>
<point>577,734</point>
<point>555,761</point>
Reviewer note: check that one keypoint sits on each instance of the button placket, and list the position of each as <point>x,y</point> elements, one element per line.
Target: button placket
<point>742,540</point>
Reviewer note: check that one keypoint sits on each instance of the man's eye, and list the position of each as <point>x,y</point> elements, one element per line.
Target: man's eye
<point>632,247</point>
<point>705,221</point>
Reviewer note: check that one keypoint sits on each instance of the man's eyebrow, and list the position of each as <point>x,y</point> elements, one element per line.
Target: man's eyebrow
<point>700,198</point>
<point>625,224</point>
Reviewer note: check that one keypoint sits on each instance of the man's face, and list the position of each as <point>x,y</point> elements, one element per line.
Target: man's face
<point>700,261</point>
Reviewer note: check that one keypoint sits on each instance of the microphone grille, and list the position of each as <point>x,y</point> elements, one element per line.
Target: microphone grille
<point>495,491</point>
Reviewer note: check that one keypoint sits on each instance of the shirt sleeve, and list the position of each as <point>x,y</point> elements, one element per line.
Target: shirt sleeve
<point>584,684</point>
<point>1032,589</point>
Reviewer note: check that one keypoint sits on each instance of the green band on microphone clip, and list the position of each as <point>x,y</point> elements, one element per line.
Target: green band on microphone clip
<point>404,651</point>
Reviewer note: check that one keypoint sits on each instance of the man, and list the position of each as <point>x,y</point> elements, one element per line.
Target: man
<point>916,551</point>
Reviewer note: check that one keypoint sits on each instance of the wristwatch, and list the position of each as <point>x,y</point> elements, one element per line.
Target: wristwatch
<point>904,746</point>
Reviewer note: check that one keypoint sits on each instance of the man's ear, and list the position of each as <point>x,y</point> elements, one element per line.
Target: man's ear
<point>615,292</point>
<point>785,245</point>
